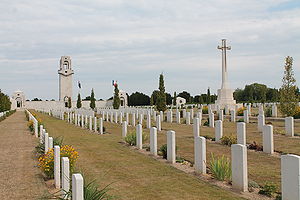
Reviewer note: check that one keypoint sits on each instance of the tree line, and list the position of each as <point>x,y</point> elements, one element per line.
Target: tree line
<point>5,103</point>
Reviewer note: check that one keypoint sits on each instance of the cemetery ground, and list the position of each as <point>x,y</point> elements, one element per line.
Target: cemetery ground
<point>132,175</point>
<point>20,178</point>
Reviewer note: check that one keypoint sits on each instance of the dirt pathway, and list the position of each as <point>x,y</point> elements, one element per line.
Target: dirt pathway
<point>20,178</point>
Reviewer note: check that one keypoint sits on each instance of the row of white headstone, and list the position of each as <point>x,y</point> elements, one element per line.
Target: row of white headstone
<point>3,113</point>
<point>61,175</point>
<point>35,123</point>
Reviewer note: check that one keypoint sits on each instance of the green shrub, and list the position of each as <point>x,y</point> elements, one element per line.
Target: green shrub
<point>240,111</point>
<point>269,189</point>
<point>297,113</point>
<point>131,138</point>
<point>255,146</point>
<point>220,168</point>
<point>205,110</point>
<point>228,140</point>
<point>206,123</point>
<point>240,120</point>
<point>40,148</point>
<point>163,150</point>
<point>268,112</point>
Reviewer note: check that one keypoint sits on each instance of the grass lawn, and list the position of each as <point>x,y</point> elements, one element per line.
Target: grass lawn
<point>134,175</point>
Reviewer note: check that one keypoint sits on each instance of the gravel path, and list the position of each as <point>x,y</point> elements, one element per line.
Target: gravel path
<point>19,176</point>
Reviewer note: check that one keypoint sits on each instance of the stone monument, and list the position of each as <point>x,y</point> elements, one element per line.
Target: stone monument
<point>225,94</point>
<point>65,79</point>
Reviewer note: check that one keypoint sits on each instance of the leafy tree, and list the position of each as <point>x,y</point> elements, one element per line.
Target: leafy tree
<point>139,99</point>
<point>87,98</point>
<point>288,99</point>
<point>154,96</point>
<point>93,100</point>
<point>168,99</point>
<point>69,102</point>
<point>36,99</point>
<point>174,99</point>
<point>161,98</point>
<point>116,102</point>
<point>78,105</point>
<point>208,99</point>
<point>5,103</point>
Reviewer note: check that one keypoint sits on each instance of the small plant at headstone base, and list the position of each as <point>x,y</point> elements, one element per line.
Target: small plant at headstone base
<point>269,123</point>
<point>268,112</point>
<point>255,146</point>
<point>269,189</point>
<point>27,115</point>
<point>240,111</point>
<point>40,148</point>
<point>30,125</point>
<point>206,123</point>
<point>288,98</point>
<point>104,129</point>
<point>220,168</point>
<point>205,110</point>
<point>208,137</point>
<point>163,150</point>
<point>297,113</point>
<point>46,161</point>
<point>240,120</point>
<point>251,185</point>
<point>131,138</point>
<point>228,140</point>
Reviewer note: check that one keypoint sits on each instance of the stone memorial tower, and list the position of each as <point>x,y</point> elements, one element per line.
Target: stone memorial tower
<point>65,73</point>
<point>225,94</point>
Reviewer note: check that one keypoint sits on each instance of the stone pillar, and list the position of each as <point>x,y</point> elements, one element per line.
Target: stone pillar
<point>158,123</point>
<point>171,147</point>
<point>133,119</point>
<point>196,127</point>
<point>178,117</point>
<point>95,124</point>
<point>90,123</point>
<point>274,110</point>
<point>65,174</point>
<point>232,115</point>
<point>101,126</point>
<point>127,118</point>
<point>218,130</point>
<point>211,119</point>
<point>239,167</point>
<point>200,155</point>
<point>289,126</point>
<point>57,167</point>
<point>221,115</point>
<point>153,141</point>
<point>268,144</point>
<point>188,118</point>
<point>141,119</point>
<point>46,141</point>
<point>261,122</point>
<point>148,121</point>
<point>241,133</point>
<point>290,176</point>
<point>77,187</point>
<point>124,129</point>
<point>50,143</point>
<point>139,136</point>
<point>246,116</point>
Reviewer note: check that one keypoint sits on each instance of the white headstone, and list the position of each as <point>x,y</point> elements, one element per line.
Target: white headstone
<point>200,155</point>
<point>158,123</point>
<point>139,136</point>
<point>196,127</point>
<point>241,133</point>
<point>57,167</point>
<point>289,126</point>
<point>218,130</point>
<point>153,140</point>
<point>239,167</point>
<point>171,147</point>
<point>124,129</point>
<point>77,187</point>
<point>268,144</point>
<point>65,174</point>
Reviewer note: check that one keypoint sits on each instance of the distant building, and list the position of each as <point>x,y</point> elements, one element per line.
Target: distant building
<point>180,101</point>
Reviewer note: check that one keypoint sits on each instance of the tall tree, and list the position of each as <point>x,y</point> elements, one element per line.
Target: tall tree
<point>161,98</point>
<point>288,99</point>
<point>93,100</point>
<point>5,103</point>
<point>185,95</point>
<point>168,99</point>
<point>139,99</point>
<point>208,96</point>
<point>116,100</point>
<point>69,102</point>
<point>78,105</point>
<point>174,99</point>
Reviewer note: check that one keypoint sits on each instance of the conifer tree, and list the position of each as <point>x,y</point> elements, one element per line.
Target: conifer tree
<point>78,105</point>
<point>208,96</point>
<point>174,99</point>
<point>288,98</point>
<point>69,102</point>
<point>93,100</point>
<point>161,98</point>
<point>116,101</point>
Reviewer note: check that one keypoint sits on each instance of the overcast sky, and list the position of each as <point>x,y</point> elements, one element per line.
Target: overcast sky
<point>134,41</point>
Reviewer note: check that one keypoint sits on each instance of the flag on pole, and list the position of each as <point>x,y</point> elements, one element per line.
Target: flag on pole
<point>114,83</point>
<point>79,84</point>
